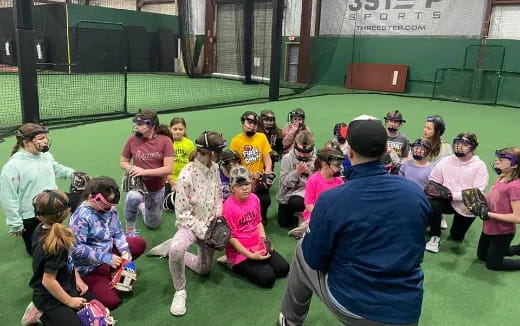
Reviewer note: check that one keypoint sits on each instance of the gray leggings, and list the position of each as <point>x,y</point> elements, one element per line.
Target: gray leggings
<point>179,257</point>
<point>303,282</point>
<point>153,207</point>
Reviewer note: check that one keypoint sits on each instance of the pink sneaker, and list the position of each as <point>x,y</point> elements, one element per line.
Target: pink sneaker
<point>32,315</point>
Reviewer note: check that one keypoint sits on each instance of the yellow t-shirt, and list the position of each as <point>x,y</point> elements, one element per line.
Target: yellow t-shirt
<point>182,149</point>
<point>251,150</point>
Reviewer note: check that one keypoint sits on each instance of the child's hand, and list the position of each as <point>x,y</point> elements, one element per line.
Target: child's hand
<point>116,261</point>
<point>16,234</point>
<point>126,255</point>
<point>136,171</point>
<point>302,168</point>
<point>76,302</point>
<point>294,127</point>
<point>259,255</point>
<point>81,286</point>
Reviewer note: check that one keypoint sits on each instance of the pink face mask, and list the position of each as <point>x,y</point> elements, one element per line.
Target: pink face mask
<point>95,202</point>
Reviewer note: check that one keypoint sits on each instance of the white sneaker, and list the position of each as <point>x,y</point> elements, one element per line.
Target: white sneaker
<point>444,224</point>
<point>434,244</point>
<point>162,250</point>
<point>299,231</point>
<point>178,307</point>
<point>223,261</point>
<point>281,320</point>
<point>31,316</point>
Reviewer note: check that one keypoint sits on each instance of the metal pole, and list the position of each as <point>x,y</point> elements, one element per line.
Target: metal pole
<point>276,50</point>
<point>248,16</point>
<point>26,58</point>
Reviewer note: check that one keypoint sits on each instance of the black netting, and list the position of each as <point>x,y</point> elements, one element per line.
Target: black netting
<point>101,59</point>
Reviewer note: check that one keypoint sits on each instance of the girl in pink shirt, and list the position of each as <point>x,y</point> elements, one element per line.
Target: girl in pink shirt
<point>327,176</point>
<point>504,212</point>
<point>249,251</point>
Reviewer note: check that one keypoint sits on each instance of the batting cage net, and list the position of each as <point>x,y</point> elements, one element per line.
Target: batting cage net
<point>103,59</point>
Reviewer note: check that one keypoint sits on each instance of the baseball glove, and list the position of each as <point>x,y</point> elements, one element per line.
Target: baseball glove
<point>263,183</point>
<point>475,202</point>
<point>218,233</point>
<point>78,182</point>
<point>435,190</point>
<point>95,313</point>
<point>133,183</point>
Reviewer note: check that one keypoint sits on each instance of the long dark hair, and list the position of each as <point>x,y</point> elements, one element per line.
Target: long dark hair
<point>439,127</point>
<point>261,128</point>
<point>101,185</point>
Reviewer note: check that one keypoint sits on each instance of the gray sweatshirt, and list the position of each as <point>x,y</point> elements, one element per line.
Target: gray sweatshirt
<point>290,183</point>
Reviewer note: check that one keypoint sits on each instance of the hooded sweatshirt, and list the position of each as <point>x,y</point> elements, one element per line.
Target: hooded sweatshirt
<point>24,176</point>
<point>290,183</point>
<point>457,175</point>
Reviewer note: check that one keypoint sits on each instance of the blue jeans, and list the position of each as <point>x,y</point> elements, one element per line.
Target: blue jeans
<point>153,207</point>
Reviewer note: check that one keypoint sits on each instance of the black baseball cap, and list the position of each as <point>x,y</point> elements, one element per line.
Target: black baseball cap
<point>367,137</point>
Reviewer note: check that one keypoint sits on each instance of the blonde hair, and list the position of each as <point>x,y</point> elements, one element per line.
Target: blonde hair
<point>304,138</point>
<point>59,238</point>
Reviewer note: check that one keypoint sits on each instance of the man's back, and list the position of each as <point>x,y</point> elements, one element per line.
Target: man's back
<point>368,237</point>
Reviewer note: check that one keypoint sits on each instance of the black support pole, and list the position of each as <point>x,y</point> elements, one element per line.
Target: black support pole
<point>26,56</point>
<point>276,50</point>
<point>248,22</point>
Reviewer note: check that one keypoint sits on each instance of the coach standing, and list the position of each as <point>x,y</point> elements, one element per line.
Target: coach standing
<point>365,243</point>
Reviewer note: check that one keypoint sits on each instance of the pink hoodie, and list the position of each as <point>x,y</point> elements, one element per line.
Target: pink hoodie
<point>457,176</point>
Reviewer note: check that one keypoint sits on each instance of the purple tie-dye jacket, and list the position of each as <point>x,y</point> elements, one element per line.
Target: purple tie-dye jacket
<point>96,235</point>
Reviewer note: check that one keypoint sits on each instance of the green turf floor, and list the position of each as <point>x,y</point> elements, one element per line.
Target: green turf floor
<point>459,290</point>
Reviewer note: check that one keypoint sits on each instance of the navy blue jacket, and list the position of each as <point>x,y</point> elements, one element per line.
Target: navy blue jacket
<point>368,237</point>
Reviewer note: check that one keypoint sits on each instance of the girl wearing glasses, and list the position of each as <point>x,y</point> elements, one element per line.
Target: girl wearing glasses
<point>198,201</point>
<point>100,243</point>
<point>30,169</point>
<point>328,167</point>
<point>456,172</point>
<point>249,252</point>
<point>503,213</point>
<point>148,154</point>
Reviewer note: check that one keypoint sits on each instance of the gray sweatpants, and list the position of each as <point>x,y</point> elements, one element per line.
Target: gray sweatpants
<point>153,207</point>
<point>302,283</point>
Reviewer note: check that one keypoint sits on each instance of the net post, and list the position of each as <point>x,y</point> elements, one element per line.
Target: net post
<point>276,50</point>
<point>26,58</point>
<point>247,22</point>
<point>125,100</point>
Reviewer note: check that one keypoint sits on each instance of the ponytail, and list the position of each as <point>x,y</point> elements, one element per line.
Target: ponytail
<point>59,238</point>
<point>17,146</point>
<point>51,207</point>
<point>165,131</point>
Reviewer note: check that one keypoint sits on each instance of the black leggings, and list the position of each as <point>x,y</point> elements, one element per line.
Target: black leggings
<point>265,202</point>
<point>286,218</point>
<point>460,225</point>
<point>29,226</point>
<point>493,248</point>
<point>61,316</point>
<point>263,272</point>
